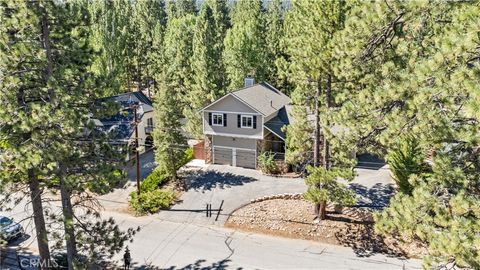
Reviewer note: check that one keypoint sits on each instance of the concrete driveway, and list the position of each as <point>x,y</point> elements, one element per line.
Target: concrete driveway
<point>210,184</point>
<point>374,185</point>
<point>235,186</point>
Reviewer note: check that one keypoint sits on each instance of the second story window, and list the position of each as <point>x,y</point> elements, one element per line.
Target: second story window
<point>247,121</point>
<point>217,119</point>
<point>150,122</point>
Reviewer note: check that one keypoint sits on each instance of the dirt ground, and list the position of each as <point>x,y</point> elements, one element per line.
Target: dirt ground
<point>294,219</point>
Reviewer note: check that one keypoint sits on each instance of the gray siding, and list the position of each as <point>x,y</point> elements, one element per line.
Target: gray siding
<point>234,142</point>
<point>230,104</point>
<point>232,127</point>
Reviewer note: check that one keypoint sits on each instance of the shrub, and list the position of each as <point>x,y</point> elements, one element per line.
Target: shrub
<point>267,163</point>
<point>405,160</point>
<point>187,156</point>
<point>154,180</point>
<point>151,201</point>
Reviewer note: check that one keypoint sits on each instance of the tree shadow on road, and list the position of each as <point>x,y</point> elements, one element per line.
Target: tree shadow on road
<point>223,264</point>
<point>365,242</point>
<point>375,197</point>
<point>207,180</point>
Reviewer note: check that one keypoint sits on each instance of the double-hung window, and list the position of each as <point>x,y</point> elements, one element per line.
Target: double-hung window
<point>247,121</point>
<point>217,119</point>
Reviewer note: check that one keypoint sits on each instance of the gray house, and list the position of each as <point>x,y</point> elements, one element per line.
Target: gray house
<point>244,123</point>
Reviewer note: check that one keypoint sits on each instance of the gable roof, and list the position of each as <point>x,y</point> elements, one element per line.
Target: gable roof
<point>276,124</point>
<point>262,97</point>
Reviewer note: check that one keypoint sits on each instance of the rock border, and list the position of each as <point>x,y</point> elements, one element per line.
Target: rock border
<point>284,196</point>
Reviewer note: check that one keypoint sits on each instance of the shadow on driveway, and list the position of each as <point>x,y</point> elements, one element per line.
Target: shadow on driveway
<point>208,180</point>
<point>378,196</point>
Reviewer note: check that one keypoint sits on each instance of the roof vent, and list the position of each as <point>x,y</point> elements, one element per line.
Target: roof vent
<point>249,81</point>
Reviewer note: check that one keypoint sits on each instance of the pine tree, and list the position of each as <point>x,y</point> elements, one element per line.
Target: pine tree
<point>273,35</point>
<point>208,82</point>
<point>113,35</point>
<point>173,83</point>
<point>150,22</point>
<point>169,140</point>
<point>406,159</point>
<point>25,113</point>
<point>185,7</point>
<point>52,104</point>
<point>309,45</point>
<point>413,69</point>
<point>245,52</point>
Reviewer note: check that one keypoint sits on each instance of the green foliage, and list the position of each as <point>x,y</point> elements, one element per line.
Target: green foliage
<point>274,31</point>
<point>324,185</point>
<point>187,156</point>
<point>151,201</point>
<point>419,79</point>
<point>299,142</point>
<point>116,60</point>
<point>47,91</point>
<point>154,180</point>
<point>405,160</point>
<point>209,78</point>
<point>245,52</point>
<point>267,163</point>
<point>443,210</point>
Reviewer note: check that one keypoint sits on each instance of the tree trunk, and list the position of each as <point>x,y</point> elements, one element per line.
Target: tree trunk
<point>322,213</point>
<point>68,223</point>
<point>39,220</point>
<point>326,146</point>
<point>316,143</point>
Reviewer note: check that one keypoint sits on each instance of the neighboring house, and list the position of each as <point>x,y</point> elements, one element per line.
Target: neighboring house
<point>244,123</point>
<point>121,127</point>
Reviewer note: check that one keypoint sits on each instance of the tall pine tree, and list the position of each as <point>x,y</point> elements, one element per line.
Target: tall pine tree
<point>245,52</point>
<point>209,78</point>
<point>311,27</point>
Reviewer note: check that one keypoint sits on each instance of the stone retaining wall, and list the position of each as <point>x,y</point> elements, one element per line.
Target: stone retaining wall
<point>284,196</point>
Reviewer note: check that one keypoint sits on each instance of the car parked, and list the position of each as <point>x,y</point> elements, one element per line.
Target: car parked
<point>10,230</point>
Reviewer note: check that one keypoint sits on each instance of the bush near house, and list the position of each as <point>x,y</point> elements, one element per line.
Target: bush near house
<point>152,198</point>
<point>267,163</point>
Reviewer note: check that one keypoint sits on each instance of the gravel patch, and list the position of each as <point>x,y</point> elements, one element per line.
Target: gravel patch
<point>352,227</point>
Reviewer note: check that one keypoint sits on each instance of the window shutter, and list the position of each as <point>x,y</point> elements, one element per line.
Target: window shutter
<point>210,118</point>
<point>224,119</point>
<point>239,120</point>
<point>254,121</point>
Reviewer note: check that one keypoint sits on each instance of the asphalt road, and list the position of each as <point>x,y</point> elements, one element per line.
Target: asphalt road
<point>172,245</point>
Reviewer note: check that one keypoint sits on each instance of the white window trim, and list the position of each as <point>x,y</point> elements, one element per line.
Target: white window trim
<point>213,122</point>
<point>241,121</point>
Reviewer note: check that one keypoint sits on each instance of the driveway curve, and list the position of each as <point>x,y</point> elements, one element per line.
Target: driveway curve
<point>212,184</point>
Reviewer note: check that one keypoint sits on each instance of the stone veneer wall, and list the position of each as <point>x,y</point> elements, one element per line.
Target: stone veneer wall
<point>208,149</point>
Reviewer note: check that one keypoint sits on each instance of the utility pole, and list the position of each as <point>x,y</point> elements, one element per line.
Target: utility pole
<point>137,154</point>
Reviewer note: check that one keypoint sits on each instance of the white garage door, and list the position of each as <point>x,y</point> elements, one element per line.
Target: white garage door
<point>222,155</point>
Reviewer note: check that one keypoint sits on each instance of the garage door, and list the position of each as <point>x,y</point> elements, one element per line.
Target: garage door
<point>222,156</point>
<point>245,158</point>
